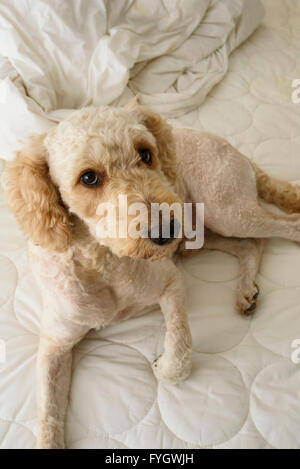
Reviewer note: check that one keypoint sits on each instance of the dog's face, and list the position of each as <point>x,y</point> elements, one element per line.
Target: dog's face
<point>83,166</point>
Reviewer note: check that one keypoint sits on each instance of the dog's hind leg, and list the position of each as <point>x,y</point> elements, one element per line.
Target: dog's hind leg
<point>249,252</point>
<point>248,219</point>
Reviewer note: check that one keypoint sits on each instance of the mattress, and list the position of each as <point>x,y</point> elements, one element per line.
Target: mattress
<point>244,390</point>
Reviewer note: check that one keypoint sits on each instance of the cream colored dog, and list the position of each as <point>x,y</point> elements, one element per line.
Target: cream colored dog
<point>54,187</point>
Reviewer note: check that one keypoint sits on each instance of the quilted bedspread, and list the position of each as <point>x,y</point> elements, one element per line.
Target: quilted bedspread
<point>244,390</point>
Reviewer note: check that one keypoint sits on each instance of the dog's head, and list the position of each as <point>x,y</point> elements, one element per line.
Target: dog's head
<point>83,166</point>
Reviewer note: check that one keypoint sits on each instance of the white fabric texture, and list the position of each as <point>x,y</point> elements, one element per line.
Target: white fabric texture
<point>62,55</point>
<point>244,389</point>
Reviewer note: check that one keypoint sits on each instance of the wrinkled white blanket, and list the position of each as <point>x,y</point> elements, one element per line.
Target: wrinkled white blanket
<point>56,56</point>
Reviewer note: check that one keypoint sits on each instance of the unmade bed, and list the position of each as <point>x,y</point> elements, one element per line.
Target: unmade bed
<point>244,388</point>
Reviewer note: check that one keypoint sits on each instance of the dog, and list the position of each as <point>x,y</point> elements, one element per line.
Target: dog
<point>54,187</point>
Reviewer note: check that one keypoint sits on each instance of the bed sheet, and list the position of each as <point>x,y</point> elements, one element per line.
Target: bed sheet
<point>244,389</point>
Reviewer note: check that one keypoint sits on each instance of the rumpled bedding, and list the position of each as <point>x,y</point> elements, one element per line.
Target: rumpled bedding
<point>57,56</point>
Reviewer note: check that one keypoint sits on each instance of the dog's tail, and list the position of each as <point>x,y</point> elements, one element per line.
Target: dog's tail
<point>281,193</point>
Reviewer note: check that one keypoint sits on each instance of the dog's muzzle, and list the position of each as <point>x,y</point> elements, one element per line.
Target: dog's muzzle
<point>161,235</point>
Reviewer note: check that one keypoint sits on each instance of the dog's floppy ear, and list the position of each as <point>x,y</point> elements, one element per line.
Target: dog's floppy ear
<point>162,132</point>
<point>33,198</point>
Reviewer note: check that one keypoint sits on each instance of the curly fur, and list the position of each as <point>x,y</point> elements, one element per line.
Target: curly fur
<point>34,200</point>
<point>281,193</point>
<point>88,282</point>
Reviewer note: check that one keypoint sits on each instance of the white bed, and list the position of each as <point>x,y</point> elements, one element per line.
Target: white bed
<point>244,391</point>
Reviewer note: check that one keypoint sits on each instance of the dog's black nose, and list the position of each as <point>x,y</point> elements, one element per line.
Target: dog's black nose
<point>162,239</point>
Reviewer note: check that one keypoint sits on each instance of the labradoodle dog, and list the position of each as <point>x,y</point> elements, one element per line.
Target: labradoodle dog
<point>54,187</point>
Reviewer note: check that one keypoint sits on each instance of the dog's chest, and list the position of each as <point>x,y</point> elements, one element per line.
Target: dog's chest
<point>130,282</point>
<point>99,292</point>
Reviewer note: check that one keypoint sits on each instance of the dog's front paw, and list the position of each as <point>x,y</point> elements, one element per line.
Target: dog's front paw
<point>170,369</point>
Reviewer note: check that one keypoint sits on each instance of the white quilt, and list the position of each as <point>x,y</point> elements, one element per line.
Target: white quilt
<point>244,390</point>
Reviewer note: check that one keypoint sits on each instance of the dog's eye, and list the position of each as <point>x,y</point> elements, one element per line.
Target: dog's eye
<point>90,178</point>
<point>145,156</point>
